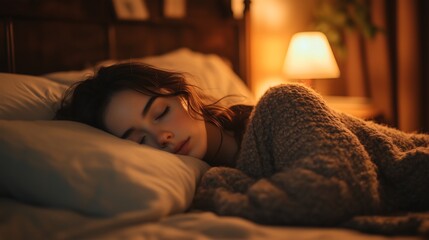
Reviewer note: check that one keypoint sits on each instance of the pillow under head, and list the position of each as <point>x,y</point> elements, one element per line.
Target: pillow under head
<point>70,165</point>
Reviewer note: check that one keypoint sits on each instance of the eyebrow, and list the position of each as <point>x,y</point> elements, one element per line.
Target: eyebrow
<point>145,111</point>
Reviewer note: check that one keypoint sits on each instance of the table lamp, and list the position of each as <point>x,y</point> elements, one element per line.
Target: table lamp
<point>309,57</point>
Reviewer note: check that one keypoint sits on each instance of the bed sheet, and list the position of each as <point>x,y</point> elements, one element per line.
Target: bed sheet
<point>23,221</point>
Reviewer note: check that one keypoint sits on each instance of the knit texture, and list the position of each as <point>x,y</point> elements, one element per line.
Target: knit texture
<point>302,163</point>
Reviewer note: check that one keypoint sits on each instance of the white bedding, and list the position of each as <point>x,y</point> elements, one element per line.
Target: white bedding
<point>70,165</point>
<point>21,221</point>
<point>64,180</point>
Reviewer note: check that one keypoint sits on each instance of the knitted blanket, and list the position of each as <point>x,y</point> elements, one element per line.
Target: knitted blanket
<point>302,163</point>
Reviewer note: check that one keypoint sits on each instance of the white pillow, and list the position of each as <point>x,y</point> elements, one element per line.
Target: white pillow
<point>70,77</point>
<point>24,97</point>
<point>70,165</point>
<point>207,71</point>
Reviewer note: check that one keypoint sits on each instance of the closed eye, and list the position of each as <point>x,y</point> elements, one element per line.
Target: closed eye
<point>143,140</point>
<point>166,110</point>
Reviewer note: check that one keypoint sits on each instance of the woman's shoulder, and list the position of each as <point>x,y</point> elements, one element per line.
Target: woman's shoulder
<point>289,89</point>
<point>291,93</point>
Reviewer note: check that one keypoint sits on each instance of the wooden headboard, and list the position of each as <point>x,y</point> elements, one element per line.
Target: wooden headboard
<point>43,36</point>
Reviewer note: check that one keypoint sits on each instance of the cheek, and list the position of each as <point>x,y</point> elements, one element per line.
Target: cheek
<point>189,125</point>
<point>186,122</point>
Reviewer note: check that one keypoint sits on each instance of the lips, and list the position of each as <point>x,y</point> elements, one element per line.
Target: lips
<point>183,147</point>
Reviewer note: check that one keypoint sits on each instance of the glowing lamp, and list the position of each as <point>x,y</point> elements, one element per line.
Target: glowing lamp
<point>309,56</point>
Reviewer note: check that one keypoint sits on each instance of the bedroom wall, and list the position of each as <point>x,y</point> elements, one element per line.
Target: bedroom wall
<point>390,69</point>
<point>412,45</point>
<point>425,66</point>
<point>52,35</point>
<point>273,22</point>
<point>272,26</point>
<point>408,67</point>
<point>3,60</point>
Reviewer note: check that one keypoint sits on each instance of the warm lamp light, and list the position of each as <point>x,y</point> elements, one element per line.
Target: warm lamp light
<point>309,56</point>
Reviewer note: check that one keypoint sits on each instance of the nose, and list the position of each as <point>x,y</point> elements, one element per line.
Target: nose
<point>164,138</point>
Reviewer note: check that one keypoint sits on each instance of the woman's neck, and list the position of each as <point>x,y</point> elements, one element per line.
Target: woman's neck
<point>221,146</point>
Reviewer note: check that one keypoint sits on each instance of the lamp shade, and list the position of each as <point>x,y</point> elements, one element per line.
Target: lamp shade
<point>309,56</point>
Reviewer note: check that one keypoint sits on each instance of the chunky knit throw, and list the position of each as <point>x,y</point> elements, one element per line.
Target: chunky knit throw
<point>302,163</point>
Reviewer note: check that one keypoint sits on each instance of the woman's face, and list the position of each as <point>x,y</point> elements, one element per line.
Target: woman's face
<point>160,122</point>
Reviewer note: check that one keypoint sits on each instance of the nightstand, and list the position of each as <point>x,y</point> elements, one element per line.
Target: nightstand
<point>360,107</point>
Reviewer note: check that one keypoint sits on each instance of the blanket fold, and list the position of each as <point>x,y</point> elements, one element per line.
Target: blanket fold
<point>301,163</point>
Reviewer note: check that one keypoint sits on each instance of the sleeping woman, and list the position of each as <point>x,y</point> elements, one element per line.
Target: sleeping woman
<point>289,160</point>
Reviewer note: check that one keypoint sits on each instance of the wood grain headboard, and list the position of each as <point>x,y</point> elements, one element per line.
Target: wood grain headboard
<point>43,36</point>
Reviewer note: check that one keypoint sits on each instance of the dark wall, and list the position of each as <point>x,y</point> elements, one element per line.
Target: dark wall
<point>54,35</point>
<point>424,29</point>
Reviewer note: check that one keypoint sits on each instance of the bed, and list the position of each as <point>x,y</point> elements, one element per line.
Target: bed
<point>65,180</point>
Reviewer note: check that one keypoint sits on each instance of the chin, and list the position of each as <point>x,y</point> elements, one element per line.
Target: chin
<point>199,150</point>
<point>196,155</point>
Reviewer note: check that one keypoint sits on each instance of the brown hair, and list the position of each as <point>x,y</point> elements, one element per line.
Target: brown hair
<point>86,101</point>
